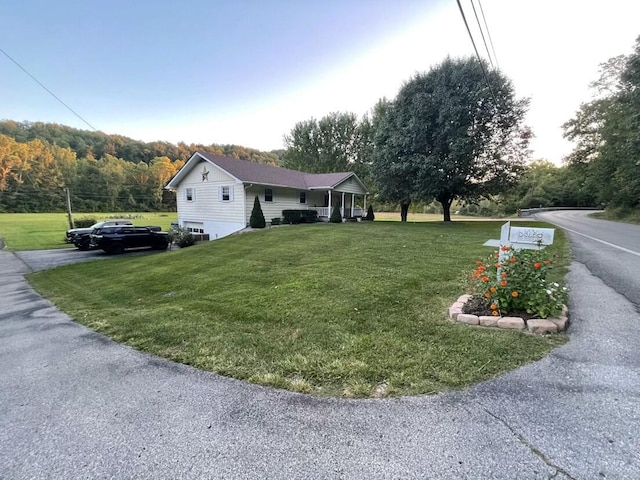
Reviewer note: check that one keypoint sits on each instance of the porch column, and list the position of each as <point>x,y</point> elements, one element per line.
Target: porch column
<point>329,206</point>
<point>365,202</point>
<point>342,206</point>
<point>353,199</point>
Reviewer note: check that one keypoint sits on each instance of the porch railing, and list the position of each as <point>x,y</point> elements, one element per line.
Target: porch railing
<point>326,211</point>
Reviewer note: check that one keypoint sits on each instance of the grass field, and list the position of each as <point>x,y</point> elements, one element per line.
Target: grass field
<point>352,310</point>
<point>40,231</point>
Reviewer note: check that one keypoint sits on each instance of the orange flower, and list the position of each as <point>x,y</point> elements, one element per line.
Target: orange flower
<point>503,283</point>
<point>495,313</point>
<point>478,262</point>
<point>482,269</point>
<point>547,262</point>
<point>485,279</point>
<point>474,276</point>
<point>487,295</point>
<point>493,289</point>
<point>504,249</point>
<point>537,265</point>
<point>504,275</point>
<point>512,259</point>
<point>514,294</point>
<point>498,266</point>
<point>493,306</point>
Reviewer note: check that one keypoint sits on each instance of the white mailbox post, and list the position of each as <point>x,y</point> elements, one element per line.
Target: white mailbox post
<point>527,238</point>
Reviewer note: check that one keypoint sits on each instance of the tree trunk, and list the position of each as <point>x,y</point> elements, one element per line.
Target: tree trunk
<point>446,208</point>
<point>404,210</point>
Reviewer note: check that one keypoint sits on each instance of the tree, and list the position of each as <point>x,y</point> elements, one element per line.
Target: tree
<point>337,143</point>
<point>607,133</point>
<point>448,136</point>
<point>257,217</point>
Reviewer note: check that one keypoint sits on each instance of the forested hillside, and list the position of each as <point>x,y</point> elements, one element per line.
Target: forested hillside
<point>38,161</point>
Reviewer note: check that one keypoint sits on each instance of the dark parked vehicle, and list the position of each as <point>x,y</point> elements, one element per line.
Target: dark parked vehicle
<point>81,237</point>
<point>119,238</point>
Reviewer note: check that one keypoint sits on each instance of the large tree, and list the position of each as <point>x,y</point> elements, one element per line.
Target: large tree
<point>338,142</point>
<point>607,133</point>
<point>448,135</point>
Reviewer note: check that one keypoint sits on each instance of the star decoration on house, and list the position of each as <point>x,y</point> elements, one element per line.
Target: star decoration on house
<point>205,174</point>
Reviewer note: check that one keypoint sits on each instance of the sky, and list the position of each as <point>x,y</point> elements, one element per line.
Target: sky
<point>245,71</point>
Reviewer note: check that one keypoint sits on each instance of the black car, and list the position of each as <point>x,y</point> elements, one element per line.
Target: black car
<point>119,238</point>
<point>80,237</point>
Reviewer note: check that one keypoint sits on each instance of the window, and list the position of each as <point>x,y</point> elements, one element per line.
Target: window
<point>268,195</point>
<point>226,196</point>
<point>190,194</point>
<point>303,197</point>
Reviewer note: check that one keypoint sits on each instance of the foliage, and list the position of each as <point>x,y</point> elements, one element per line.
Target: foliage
<point>607,133</point>
<point>447,136</point>
<point>181,236</point>
<point>336,217</point>
<point>256,220</point>
<point>102,172</point>
<point>370,216</point>
<point>276,221</point>
<point>517,281</point>
<point>84,222</point>
<point>299,216</point>
<point>339,310</point>
<point>338,142</point>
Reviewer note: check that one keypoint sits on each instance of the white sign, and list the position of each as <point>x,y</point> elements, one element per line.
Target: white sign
<point>531,235</point>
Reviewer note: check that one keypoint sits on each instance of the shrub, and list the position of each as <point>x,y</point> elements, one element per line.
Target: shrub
<point>257,217</point>
<point>181,237</point>
<point>336,217</point>
<point>84,222</point>
<point>299,216</point>
<point>276,221</point>
<point>370,216</point>
<point>516,281</point>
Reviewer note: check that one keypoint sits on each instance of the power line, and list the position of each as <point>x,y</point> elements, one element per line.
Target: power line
<point>49,91</point>
<point>495,57</point>
<point>484,72</point>
<point>486,47</point>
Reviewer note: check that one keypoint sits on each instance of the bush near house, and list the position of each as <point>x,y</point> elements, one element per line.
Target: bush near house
<point>299,216</point>
<point>257,217</point>
<point>181,236</point>
<point>336,217</point>
<point>370,216</point>
<point>276,221</point>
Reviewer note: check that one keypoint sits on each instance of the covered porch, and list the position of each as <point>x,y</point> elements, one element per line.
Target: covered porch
<point>351,205</point>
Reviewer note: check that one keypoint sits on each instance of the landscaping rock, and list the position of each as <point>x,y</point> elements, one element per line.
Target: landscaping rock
<point>515,323</point>
<point>464,298</point>
<point>541,325</point>
<point>488,320</point>
<point>468,319</point>
<point>561,322</point>
<point>455,310</point>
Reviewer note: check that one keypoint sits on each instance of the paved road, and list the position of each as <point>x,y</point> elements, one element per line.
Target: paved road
<point>73,404</point>
<point>610,250</point>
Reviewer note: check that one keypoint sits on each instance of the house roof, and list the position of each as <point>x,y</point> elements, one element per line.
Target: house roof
<point>252,172</point>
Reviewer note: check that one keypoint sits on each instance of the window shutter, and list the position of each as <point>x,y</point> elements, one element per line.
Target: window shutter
<point>219,194</point>
<point>231,193</point>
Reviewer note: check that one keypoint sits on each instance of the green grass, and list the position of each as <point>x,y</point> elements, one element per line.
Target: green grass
<point>621,215</point>
<point>41,231</point>
<point>341,310</point>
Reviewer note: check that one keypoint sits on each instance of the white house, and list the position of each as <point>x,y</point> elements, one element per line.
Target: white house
<point>215,194</point>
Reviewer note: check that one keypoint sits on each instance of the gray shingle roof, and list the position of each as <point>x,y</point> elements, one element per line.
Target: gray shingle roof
<point>252,172</point>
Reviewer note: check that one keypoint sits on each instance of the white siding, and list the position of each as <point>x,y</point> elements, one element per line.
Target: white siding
<point>219,218</point>
<point>350,186</point>
<point>283,199</point>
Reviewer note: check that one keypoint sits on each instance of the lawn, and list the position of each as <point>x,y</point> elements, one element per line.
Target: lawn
<point>39,231</point>
<point>353,310</point>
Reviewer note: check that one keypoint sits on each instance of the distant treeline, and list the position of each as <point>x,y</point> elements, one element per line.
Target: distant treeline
<point>38,161</point>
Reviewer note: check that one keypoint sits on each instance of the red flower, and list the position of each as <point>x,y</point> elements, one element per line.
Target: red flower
<point>547,262</point>
<point>504,249</point>
<point>498,266</point>
<point>504,275</point>
<point>537,265</point>
<point>503,283</point>
<point>478,262</point>
<point>512,259</point>
<point>485,279</point>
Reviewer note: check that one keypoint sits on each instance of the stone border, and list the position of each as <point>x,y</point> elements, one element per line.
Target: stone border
<point>534,325</point>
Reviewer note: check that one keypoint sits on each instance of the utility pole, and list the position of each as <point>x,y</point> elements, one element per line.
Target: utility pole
<point>71,225</point>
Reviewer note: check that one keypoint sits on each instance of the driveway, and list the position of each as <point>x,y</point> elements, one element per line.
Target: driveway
<point>74,404</point>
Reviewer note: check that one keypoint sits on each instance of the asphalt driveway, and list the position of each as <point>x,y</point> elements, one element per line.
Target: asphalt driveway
<point>74,404</point>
